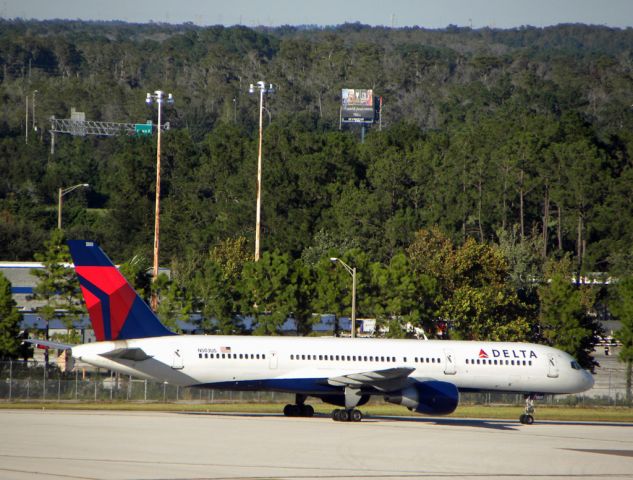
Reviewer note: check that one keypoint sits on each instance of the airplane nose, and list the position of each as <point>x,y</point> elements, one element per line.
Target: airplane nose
<point>589,380</point>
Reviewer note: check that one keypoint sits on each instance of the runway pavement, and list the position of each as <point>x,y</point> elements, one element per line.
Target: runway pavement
<point>51,444</point>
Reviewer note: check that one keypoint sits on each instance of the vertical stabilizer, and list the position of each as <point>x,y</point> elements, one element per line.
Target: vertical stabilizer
<point>116,310</point>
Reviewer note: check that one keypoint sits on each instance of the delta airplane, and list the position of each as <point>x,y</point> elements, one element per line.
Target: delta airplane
<point>426,376</point>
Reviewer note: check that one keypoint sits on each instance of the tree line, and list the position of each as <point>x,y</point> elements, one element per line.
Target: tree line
<point>516,140</point>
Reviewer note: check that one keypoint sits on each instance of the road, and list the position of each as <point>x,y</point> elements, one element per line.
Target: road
<point>47,444</point>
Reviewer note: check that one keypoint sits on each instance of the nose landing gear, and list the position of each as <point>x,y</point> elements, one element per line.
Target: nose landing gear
<point>527,417</point>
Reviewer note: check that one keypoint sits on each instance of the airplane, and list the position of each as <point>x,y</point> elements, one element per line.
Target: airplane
<point>425,376</point>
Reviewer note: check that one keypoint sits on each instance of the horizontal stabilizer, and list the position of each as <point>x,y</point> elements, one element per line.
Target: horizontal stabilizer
<point>134,354</point>
<point>383,380</point>
<point>49,344</point>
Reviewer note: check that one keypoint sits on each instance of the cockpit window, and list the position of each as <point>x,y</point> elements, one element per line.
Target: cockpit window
<point>575,365</point>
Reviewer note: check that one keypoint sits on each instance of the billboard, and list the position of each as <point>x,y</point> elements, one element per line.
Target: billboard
<point>357,106</point>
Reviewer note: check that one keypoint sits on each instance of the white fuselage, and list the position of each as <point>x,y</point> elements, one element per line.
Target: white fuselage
<point>303,364</point>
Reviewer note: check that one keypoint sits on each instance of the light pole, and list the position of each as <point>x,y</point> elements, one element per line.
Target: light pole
<point>61,193</point>
<point>159,97</point>
<point>35,92</point>
<point>261,86</point>
<point>352,272</point>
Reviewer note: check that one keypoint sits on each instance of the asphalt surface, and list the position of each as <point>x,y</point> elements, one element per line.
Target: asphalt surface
<point>47,444</point>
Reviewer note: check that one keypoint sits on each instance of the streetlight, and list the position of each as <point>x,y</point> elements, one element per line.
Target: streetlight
<point>158,95</point>
<point>261,86</point>
<point>61,193</point>
<point>352,272</point>
<point>35,92</point>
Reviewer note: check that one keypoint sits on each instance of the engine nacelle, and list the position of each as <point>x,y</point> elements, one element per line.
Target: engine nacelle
<point>432,397</point>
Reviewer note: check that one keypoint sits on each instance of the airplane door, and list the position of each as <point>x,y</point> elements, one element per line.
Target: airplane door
<point>176,360</point>
<point>449,363</point>
<point>552,366</point>
<point>272,360</point>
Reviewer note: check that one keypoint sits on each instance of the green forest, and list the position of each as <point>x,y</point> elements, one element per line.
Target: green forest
<point>504,157</point>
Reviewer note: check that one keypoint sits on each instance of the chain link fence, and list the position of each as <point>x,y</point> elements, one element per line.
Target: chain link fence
<point>32,381</point>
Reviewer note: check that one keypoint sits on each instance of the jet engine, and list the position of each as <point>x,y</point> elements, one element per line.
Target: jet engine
<point>432,397</point>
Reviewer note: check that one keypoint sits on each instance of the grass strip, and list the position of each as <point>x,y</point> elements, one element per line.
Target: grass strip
<point>546,412</point>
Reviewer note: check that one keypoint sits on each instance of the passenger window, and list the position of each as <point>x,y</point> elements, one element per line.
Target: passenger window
<point>199,355</point>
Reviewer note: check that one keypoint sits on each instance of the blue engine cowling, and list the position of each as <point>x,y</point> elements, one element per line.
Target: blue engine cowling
<point>432,397</point>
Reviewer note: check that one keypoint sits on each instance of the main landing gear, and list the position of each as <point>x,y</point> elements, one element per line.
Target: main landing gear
<point>526,417</point>
<point>353,397</point>
<point>300,409</point>
<point>347,415</point>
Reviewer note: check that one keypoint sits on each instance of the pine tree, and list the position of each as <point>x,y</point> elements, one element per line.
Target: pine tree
<point>622,308</point>
<point>564,318</point>
<point>57,283</point>
<point>9,321</point>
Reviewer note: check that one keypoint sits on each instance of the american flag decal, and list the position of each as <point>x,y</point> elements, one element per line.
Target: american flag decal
<point>482,354</point>
<point>225,349</point>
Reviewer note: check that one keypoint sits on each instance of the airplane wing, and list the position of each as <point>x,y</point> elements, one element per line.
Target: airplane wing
<point>48,343</point>
<point>134,354</point>
<point>382,380</point>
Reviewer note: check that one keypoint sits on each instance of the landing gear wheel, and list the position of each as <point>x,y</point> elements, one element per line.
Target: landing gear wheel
<point>356,416</point>
<point>351,415</point>
<point>526,417</point>
<point>300,409</point>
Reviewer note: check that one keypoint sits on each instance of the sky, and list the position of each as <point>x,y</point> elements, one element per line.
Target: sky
<point>396,13</point>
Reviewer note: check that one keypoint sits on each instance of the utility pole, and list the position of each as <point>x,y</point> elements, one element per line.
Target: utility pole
<point>26,123</point>
<point>33,107</point>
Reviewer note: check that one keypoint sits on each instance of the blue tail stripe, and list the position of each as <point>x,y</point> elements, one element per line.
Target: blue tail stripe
<point>86,254</point>
<point>137,327</point>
